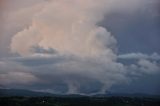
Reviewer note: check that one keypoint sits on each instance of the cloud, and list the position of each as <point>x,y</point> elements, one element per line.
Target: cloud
<point>61,45</point>
<point>65,30</point>
<point>64,25</point>
<point>142,63</point>
<point>15,16</point>
<point>148,66</point>
<point>71,74</point>
<point>12,73</point>
<point>13,78</point>
<point>138,56</point>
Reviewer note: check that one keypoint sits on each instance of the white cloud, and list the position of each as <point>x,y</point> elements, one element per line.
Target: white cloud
<point>148,67</point>
<point>71,26</point>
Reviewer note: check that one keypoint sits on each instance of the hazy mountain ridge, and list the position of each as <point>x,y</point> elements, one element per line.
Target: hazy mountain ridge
<point>21,92</point>
<point>29,93</point>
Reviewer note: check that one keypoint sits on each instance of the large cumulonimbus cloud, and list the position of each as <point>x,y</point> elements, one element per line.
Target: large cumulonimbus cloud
<point>69,27</point>
<point>62,43</point>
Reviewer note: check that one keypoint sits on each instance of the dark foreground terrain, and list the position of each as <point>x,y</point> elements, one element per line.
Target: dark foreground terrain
<point>78,101</point>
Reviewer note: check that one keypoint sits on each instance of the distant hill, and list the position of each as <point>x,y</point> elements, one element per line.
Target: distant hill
<point>139,95</point>
<point>20,92</point>
<point>29,93</point>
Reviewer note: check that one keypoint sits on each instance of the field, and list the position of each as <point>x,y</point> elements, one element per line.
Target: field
<point>78,101</point>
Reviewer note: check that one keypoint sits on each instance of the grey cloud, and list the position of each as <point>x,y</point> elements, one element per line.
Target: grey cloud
<point>141,64</point>
<point>13,73</point>
<point>148,66</point>
<point>138,56</point>
<point>38,49</point>
<point>72,74</point>
<point>39,59</point>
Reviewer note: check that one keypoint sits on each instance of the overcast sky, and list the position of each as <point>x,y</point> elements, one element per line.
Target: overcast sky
<point>80,46</point>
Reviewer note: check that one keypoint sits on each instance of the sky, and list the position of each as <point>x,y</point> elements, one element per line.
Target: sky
<point>80,46</point>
